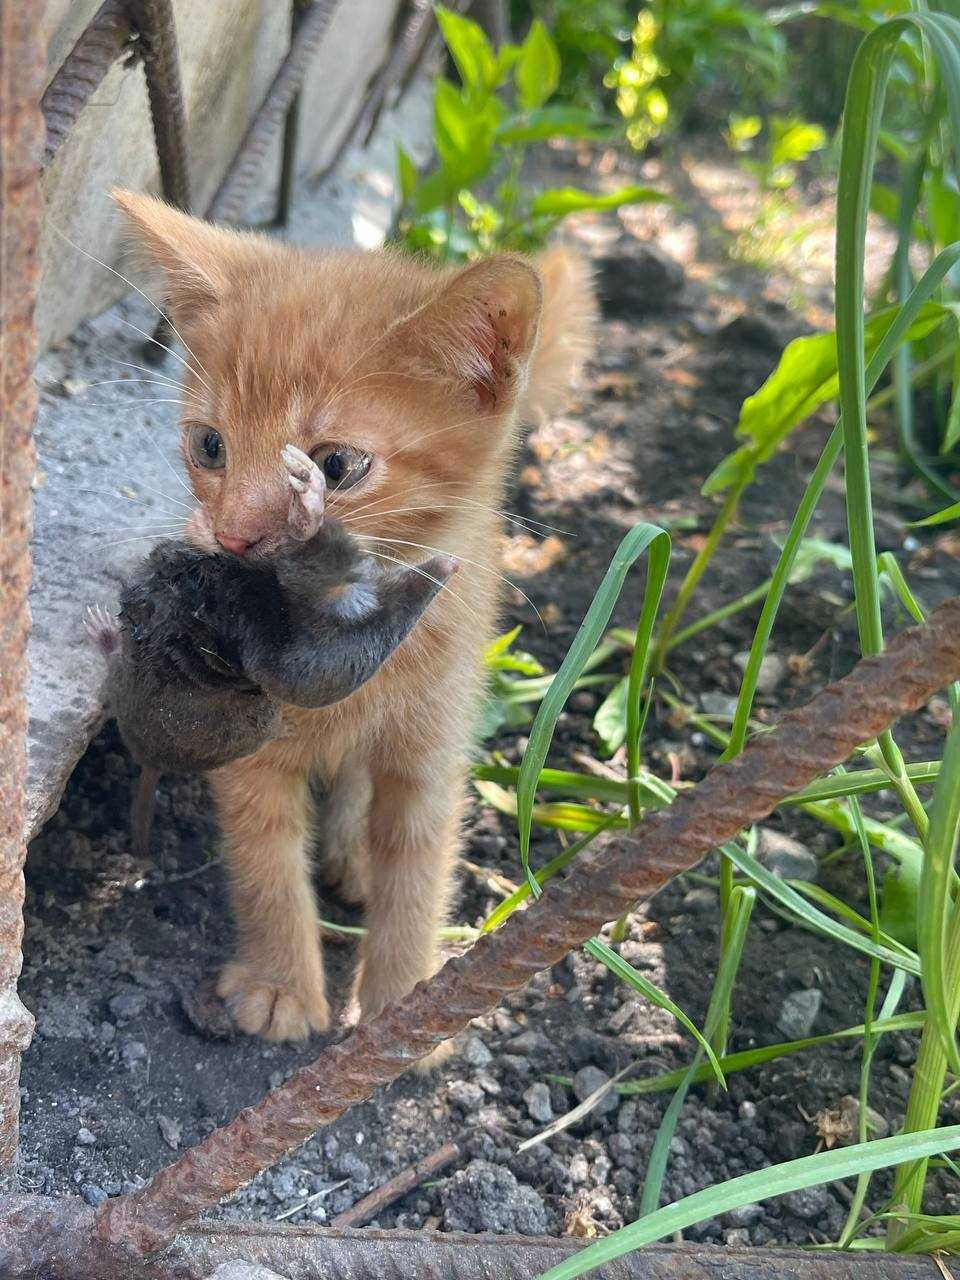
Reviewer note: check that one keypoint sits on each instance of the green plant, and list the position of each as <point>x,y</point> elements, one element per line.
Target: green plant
<point>475,201</point>
<point>912,925</point>
<point>682,47</point>
<point>589,39</point>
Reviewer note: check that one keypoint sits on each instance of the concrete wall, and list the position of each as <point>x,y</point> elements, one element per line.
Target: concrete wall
<point>230,51</point>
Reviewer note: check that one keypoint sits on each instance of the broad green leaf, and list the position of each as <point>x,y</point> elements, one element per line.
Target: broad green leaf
<point>806,378</point>
<point>563,200</point>
<point>763,1184</point>
<point>898,898</point>
<point>464,135</point>
<point>537,70</point>
<point>552,122</point>
<point>470,50</point>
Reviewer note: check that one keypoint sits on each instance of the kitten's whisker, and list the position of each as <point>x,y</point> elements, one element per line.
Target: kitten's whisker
<point>146,297</point>
<point>169,465</point>
<point>477,564</point>
<point>464,504</point>
<point>119,542</point>
<point>176,354</point>
<point>160,493</point>
<point>136,382</point>
<point>444,586</point>
<point>114,493</point>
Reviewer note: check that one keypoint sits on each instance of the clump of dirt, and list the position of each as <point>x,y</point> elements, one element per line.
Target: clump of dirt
<point>122,1073</point>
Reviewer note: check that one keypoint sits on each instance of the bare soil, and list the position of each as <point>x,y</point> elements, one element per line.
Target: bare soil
<point>118,951</point>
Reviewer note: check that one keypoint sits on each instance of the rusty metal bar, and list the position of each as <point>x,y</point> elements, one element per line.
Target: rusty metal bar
<point>21,144</point>
<point>161,62</point>
<point>606,880</point>
<point>38,1238</point>
<point>227,204</point>
<point>109,34</point>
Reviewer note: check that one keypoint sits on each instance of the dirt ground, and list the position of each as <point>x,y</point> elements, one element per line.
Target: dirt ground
<point>118,951</point>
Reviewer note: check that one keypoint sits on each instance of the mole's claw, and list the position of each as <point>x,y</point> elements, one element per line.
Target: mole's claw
<point>309,492</point>
<point>102,628</point>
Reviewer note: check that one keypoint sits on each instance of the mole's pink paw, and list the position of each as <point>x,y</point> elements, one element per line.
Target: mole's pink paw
<point>102,628</point>
<point>309,488</point>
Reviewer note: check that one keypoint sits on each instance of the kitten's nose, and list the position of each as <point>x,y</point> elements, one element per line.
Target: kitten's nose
<point>236,545</point>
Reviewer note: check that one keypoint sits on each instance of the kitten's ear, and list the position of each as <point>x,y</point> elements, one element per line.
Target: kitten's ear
<point>196,259</point>
<point>480,330</point>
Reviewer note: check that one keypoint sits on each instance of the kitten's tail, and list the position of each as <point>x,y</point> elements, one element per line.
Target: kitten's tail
<point>566,329</point>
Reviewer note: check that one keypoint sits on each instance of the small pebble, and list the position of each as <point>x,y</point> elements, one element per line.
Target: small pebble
<point>465,1094</point>
<point>133,1053</point>
<point>799,1013</point>
<point>93,1194</point>
<point>587,1080</point>
<point>171,1131</point>
<point>809,1203</point>
<point>475,1053</point>
<point>86,1138</point>
<point>785,857</point>
<point>537,1099</point>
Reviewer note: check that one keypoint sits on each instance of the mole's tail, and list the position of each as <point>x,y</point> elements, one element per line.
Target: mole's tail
<point>141,813</point>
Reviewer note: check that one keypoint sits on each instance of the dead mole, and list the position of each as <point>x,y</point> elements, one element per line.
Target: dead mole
<point>208,647</point>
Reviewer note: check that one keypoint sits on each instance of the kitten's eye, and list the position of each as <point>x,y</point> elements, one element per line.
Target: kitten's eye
<point>342,465</point>
<point>207,448</point>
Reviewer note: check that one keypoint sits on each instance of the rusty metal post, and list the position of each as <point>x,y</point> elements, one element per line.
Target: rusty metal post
<point>161,62</point>
<point>227,204</point>
<point>291,130</point>
<point>21,143</point>
<point>608,879</point>
<point>104,40</point>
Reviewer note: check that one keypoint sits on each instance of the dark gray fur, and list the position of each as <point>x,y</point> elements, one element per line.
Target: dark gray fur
<point>209,646</point>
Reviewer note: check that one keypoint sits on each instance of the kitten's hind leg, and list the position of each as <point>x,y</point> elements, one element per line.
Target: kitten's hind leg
<point>309,493</point>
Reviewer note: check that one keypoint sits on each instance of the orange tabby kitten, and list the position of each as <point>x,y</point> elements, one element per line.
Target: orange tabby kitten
<point>405,383</point>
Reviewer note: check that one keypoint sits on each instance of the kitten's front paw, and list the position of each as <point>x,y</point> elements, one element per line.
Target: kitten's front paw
<point>274,1010</point>
<point>309,490</point>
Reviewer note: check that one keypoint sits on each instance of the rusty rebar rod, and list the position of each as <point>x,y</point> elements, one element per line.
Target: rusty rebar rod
<point>108,35</point>
<point>607,880</point>
<point>21,145</point>
<point>228,203</point>
<point>157,29</point>
<point>47,1238</point>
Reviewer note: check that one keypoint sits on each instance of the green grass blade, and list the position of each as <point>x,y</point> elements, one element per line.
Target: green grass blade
<point>745,1059</point>
<point>740,909</point>
<point>928,284</point>
<point>544,873</point>
<point>813,918</point>
<point>658,565</point>
<point>636,542</point>
<point>935,907</point>
<point>762,1184</point>
<point>627,973</point>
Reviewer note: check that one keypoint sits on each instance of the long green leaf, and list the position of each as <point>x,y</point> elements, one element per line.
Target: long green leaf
<point>636,542</point>
<point>740,909</point>
<point>762,1184</point>
<point>935,907</point>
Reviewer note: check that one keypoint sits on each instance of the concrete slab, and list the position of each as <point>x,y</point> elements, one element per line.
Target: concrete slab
<point>109,478</point>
